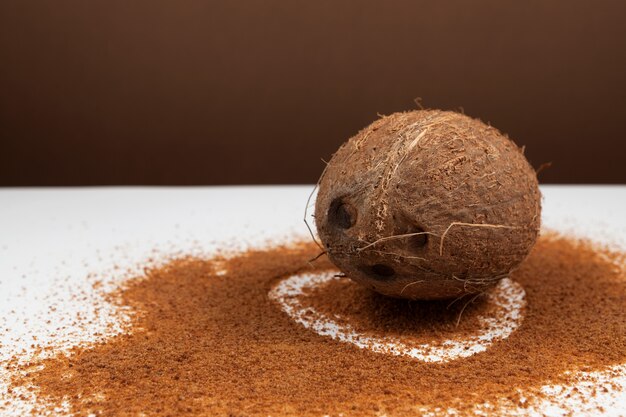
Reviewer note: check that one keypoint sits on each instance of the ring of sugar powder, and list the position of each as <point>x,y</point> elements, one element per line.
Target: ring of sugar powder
<point>508,298</point>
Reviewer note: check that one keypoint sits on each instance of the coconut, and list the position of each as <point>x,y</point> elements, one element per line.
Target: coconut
<point>428,204</point>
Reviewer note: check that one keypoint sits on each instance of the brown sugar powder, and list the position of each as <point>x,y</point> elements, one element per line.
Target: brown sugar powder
<point>207,340</point>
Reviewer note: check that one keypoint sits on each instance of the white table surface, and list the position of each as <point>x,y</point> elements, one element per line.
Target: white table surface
<point>41,227</point>
<point>52,238</point>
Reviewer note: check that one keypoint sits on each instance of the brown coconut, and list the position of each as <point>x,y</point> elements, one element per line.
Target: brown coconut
<point>428,204</point>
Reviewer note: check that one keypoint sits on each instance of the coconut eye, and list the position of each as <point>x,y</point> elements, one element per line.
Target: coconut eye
<point>380,272</point>
<point>418,241</point>
<point>341,214</point>
<point>383,271</point>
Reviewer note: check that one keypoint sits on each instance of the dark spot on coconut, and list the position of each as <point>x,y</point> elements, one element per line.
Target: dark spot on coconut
<point>463,275</point>
<point>381,271</point>
<point>418,241</point>
<point>341,214</point>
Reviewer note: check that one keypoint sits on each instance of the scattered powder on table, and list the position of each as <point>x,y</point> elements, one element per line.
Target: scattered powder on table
<point>209,342</point>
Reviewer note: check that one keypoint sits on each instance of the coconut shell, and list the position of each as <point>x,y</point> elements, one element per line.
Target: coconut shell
<point>428,204</point>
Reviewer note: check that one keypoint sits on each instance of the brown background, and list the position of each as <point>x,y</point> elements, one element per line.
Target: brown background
<point>224,92</point>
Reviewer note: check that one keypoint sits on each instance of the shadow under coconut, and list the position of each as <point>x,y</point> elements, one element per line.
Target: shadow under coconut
<point>205,343</point>
<point>371,313</point>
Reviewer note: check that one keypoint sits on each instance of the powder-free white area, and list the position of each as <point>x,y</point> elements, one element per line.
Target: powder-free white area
<point>55,243</point>
<point>507,299</point>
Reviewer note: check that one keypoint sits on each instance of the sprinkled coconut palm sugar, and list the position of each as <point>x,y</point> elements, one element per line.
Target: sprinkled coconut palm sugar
<point>208,340</point>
